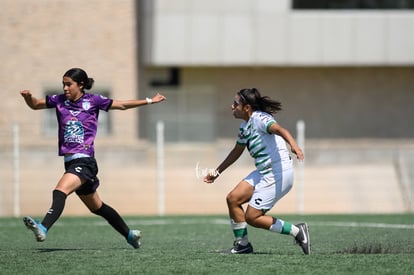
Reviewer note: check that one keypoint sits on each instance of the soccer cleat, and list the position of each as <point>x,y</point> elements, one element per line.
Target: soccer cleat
<point>38,229</point>
<point>303,239</point>
<point>134,238</point>
<point>239,249</point>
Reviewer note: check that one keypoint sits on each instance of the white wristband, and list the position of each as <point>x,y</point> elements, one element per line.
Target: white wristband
<point>149,100</point>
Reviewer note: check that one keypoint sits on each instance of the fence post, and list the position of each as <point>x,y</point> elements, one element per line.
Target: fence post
<point>16,170</point>
<point>300,128</point>
<point>160,167</point>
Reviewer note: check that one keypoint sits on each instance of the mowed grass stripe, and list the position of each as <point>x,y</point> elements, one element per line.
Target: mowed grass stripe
<point>341,244</point>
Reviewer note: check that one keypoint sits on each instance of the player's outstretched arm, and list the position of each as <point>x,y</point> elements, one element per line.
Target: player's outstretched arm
<point>128,104</point>
<point>31,101</point>
<point>234,155</point>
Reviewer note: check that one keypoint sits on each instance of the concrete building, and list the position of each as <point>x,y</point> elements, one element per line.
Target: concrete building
<point>347,73</point>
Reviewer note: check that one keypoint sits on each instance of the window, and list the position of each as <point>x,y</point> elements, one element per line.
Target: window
<point>50,122</point>
<point>352,4</point>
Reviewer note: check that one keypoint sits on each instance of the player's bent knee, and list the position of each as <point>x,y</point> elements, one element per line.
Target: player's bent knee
<point>232,200</point>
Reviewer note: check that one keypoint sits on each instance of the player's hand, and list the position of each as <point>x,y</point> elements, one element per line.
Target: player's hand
<point>211,177</point>
<point>26,93</point>
<point>298,152</point>
<point>158,98</point>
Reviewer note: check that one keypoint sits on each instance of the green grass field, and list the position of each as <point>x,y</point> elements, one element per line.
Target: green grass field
<point>341,244</point>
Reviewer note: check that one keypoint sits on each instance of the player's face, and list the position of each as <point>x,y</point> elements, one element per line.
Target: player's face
<point>72,90</point>
<point>239,110</point>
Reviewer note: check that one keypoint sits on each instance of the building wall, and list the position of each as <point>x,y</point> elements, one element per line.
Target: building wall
<point>346,73</point>
<point>334,102</point>
<point>42,39</point>
<point>271,33</point>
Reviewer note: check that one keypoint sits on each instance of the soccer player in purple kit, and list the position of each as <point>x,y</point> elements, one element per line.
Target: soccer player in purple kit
<point>77,115</point>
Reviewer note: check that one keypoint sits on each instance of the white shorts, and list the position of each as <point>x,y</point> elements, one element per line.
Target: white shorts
<point>269,188</point>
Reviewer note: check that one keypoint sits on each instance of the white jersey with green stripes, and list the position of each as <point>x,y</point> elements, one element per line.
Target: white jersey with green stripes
<point>268,150</point>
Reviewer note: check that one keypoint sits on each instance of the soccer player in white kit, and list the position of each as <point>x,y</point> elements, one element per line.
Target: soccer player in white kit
<point>266,142</point>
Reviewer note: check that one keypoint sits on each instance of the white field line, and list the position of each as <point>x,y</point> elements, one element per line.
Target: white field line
<point>364,224</point>
<point>226,222</point>
<point>160,222</point>
<point>218,221</point>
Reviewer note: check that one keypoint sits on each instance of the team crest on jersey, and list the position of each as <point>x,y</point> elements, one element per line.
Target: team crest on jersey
<point>86,104</point>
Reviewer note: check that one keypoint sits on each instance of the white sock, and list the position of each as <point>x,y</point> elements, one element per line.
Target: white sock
<point>277,226</point>
<point>294,230</point>
<point>240,231</point>
<point>283,227</point>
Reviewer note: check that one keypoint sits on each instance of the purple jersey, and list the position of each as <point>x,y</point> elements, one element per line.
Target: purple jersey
<point>78,121</point>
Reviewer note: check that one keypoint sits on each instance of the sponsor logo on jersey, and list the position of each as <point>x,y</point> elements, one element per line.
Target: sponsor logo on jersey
<point>74,113</point>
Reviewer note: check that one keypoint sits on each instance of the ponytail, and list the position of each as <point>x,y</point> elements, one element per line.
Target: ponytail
<point>88,84</point>
<point>253,97</point>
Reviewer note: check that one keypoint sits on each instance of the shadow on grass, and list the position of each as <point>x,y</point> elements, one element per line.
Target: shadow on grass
<point>227,252</point>
<point>49,250</point>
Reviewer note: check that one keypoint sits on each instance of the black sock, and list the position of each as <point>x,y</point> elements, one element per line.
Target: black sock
<point>58,204</point>
<point>113,218</point>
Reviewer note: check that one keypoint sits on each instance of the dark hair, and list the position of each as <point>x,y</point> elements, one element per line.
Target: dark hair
<point>79,76</point>
<point>253,97</point>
